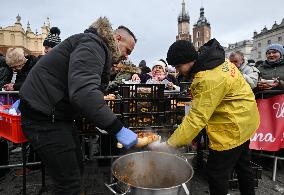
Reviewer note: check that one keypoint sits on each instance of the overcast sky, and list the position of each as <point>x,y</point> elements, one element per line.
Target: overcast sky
<point>153,21</point>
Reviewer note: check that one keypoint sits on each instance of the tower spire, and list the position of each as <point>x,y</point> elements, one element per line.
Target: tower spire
<point>29,27</point>
<point>18,19</point>
<point>201,12</point>
<point>183,16</point>
<point>183,12</point>
<point>183,24</point>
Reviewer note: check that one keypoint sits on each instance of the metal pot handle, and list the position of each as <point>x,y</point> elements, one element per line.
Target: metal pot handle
<point>185,189</point>
<point>109,186</point>
<point>183,157</point>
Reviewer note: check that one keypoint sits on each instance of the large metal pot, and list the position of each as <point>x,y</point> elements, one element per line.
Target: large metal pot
<point>151,173</point>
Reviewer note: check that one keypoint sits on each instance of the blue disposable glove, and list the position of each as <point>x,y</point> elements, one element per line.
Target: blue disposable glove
<point>126,137</point>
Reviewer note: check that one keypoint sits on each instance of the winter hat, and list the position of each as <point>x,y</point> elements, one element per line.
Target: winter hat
<point>276,47</point>
<point>142,64</point>
<point>181,52</point>
<point>52,38</point>
<point>160,63</point>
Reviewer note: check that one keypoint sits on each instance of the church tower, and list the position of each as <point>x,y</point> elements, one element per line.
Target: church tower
<point>183,25</point>
<point>201,30</point>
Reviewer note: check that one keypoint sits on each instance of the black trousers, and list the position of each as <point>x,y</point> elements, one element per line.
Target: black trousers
<point>221,164</point>
<point>4,157</point>
<point>58,146</point>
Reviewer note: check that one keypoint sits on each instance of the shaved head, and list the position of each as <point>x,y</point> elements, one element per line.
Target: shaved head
<point>126,41</point>
<point>124,31</point>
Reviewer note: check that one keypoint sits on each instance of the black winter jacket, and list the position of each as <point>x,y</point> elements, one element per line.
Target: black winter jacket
<point>6,73</point>
<point>69,79</point>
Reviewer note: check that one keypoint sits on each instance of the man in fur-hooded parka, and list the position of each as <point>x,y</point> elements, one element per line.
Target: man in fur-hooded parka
<point>65,82</point>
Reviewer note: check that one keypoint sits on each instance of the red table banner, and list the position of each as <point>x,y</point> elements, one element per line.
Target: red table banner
<point>270,134</point>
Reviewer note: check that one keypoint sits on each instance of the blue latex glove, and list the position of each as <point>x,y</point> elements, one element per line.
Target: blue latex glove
<point>126,137</point>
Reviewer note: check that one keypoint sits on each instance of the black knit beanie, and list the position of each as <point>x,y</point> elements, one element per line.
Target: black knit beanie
<point>52,38</point>
<point>181,52</point>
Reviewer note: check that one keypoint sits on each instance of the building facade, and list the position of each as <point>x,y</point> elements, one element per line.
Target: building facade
<point>243,46</point>
<point>201,30</point>
<point>265,38</point>
<point>16,36</point>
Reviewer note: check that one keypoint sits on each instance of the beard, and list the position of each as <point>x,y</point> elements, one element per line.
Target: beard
<point>117,58</point>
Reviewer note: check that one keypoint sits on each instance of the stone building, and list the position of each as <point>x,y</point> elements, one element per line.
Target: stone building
<point>266,37</point>
<point>16,36</point>
<point>243,46</point>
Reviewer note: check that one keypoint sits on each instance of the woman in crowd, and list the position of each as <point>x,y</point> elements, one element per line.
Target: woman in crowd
<point>272,70</point>
<point>158,75</point>
<point>21,64</point>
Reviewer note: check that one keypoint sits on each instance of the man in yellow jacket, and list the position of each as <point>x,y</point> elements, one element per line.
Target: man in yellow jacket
<point>224,104</point>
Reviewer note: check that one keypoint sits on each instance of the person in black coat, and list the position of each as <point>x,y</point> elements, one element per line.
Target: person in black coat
<point>6,73</point>
<point>21,64</point>
<point>66,82</point>
<point>52,39</point>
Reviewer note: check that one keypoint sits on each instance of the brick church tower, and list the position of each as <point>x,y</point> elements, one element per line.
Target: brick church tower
<point>201,30</point>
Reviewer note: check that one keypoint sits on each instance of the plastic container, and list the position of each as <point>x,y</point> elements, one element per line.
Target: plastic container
<point>142,120</point>
<point>143,106</point>
<point>10,127</point>
<point>142,91</point>
<point>115,105</point>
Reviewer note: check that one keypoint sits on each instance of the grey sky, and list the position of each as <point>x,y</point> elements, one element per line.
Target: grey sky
<point>153,21</point>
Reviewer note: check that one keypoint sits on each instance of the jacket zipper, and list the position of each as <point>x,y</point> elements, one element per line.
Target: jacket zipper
<point>53,115</point>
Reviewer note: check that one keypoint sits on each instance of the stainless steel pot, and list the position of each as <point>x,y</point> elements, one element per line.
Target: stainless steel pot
<point>151,173</point>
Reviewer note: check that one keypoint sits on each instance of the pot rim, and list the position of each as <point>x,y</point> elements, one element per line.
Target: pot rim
<point>153,189</point>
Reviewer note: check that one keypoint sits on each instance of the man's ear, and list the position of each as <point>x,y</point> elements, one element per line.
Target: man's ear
<point>118,37</point>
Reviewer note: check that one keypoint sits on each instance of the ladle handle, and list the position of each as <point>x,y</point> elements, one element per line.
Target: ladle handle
<point>185,189</point>
<point>109,186</point>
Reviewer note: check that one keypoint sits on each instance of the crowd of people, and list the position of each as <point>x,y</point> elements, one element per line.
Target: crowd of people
<point>73,76</point>
<point>262,75</point>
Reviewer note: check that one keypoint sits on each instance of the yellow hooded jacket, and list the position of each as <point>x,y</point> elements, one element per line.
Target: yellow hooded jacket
<point>223,102</point>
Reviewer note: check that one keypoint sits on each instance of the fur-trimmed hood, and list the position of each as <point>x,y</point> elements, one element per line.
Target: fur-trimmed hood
<point>104,30</point>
